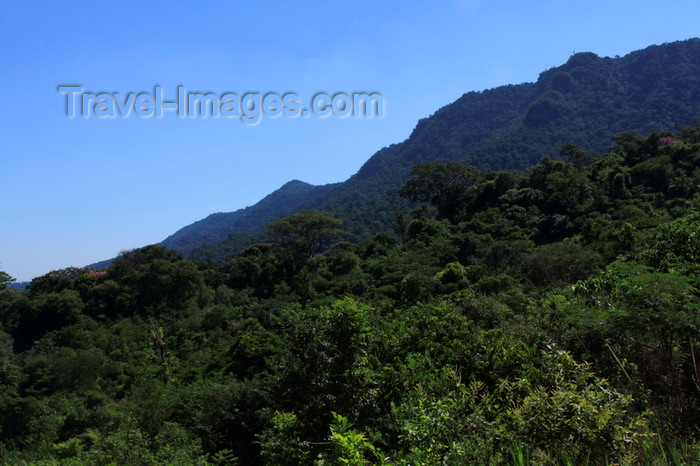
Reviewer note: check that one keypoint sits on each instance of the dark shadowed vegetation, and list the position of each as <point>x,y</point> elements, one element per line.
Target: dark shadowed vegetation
<point>547,317</point>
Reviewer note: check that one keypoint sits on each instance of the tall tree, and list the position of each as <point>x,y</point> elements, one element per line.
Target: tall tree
<point>439,183</point>
<point>5,278</point>
<point>305,231</point>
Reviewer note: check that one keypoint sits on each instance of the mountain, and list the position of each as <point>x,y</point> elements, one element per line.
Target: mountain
<point>505,328</point>
<point>585,101</point>
<point>19,286</point>
<point>217,227</point>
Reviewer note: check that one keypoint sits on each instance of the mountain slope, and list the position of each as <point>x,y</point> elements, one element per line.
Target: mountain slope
<point>217,227</point>
<point>585,101</point>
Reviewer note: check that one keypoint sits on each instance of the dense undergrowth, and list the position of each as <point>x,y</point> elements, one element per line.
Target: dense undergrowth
<point>545,318</point>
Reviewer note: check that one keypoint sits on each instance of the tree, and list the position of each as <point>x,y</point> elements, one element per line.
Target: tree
<point>575,155</point>
<point>5,279</point>
<point>306,231</point>
<point>440,183</point>
<point>153,279</point>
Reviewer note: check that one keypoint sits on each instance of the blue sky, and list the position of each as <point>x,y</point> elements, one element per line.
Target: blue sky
<point>78,190</point>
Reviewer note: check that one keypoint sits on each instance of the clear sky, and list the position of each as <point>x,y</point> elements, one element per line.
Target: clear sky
<point>78,190</point>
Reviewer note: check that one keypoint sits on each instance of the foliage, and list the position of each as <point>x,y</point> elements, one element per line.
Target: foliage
<point>580,105</point>
<point>5,278</point>
<point>306,231</point>
<point>349,446</point>
<point>440,183</point>
<point>548,317</point>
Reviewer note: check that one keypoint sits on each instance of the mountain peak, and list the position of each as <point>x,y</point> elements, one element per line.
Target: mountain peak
<point>584,101</point>
<point>581,59</point>
<point>217,227</point>
<point>295,184</point>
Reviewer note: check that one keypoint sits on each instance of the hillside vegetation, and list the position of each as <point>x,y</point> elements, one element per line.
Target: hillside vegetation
<point>217,227</point>
<point>585,101</point>
<point>547,317</point>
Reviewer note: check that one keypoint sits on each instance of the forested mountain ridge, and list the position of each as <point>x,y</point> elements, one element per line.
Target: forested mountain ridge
<point>585,101</point>
<point>217,227</point>
<point>547,317</point>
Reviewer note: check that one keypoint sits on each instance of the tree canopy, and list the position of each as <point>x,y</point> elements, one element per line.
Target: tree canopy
<point>5,278</point>
<point>440,183</point>
<point>551,317</point>
<point>306,231</point>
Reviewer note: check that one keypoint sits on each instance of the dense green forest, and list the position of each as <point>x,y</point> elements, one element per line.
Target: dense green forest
<point>217,227</point>
<point>548,317</point>
<point>584,101</point>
